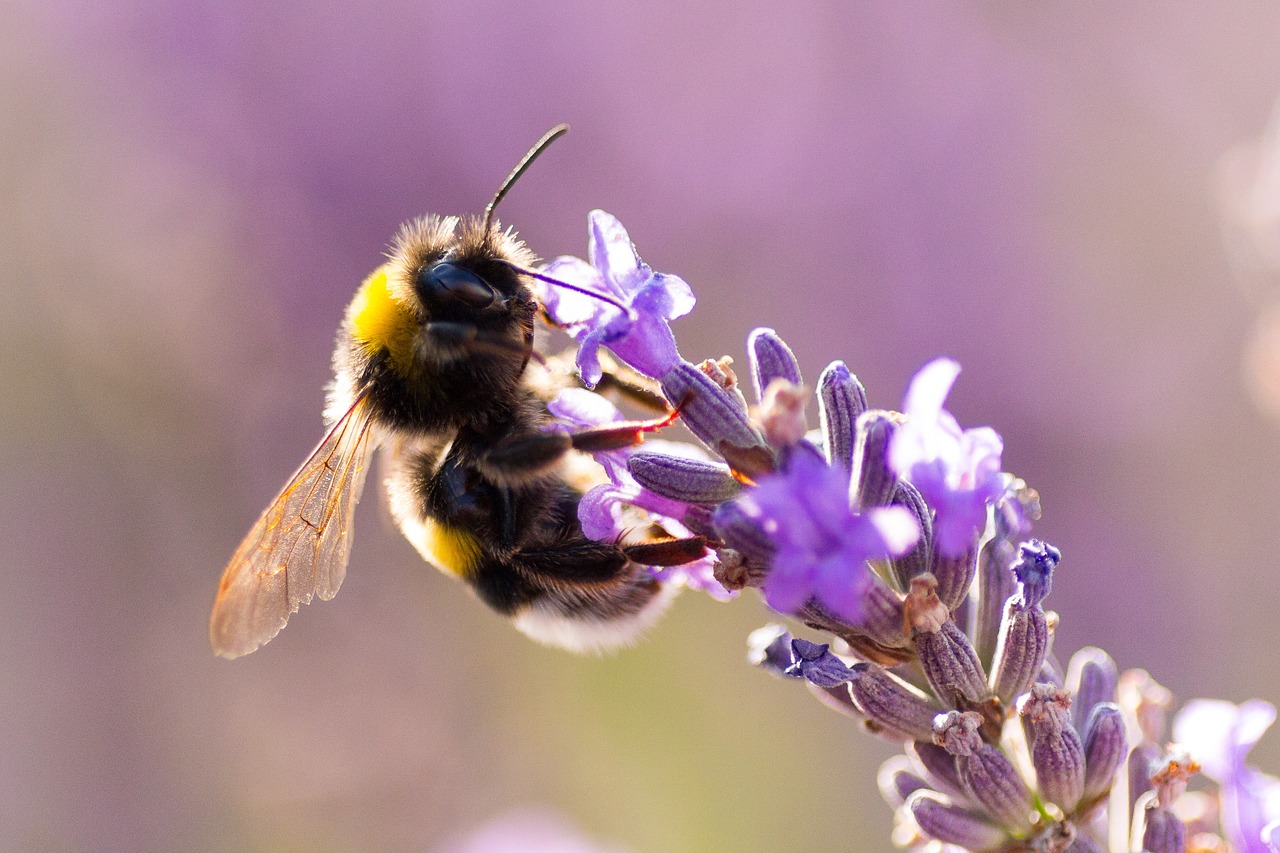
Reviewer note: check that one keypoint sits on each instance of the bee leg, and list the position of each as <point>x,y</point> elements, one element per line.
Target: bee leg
<point>633,385</point>
<point>619,434</point>
<point>581,562</point>
<point>520,458</point>
<point>668,552</point>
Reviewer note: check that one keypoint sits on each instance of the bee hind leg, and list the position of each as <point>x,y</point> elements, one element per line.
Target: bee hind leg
<point>668,552</point>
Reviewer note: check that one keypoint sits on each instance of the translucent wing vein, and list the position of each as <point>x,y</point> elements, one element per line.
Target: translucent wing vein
<point>299,546</point>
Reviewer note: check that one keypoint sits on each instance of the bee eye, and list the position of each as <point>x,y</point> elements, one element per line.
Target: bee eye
<point>448,280</point>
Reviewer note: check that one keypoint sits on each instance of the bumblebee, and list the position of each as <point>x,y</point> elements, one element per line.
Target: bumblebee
<point>435,365</point>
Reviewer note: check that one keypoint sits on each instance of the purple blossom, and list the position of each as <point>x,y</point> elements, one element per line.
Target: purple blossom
<point>821,545</point>
<point>604,510</point>
<point>640,335</point>
<point>957,471</point>
<point>1219,735</point>
<point>815,662</point>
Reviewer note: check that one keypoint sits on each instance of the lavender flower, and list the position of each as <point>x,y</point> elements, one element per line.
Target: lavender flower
<point>815,662</point>
<point>639,336</point>
<point>957,471</point>
<point>822,545</point>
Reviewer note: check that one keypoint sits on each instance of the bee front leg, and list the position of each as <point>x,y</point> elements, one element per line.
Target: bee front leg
<point>520,458</point>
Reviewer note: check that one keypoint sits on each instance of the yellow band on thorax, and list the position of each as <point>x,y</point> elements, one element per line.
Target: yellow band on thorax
<point>379,321</point>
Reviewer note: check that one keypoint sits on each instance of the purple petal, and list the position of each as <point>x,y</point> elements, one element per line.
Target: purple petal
<point>597,513</point>
<point>646,344</point>
<point>1219,734</point>
<point>929,389</point>
<point>840,585</point>
<point>789,584</point>
<point>582,408</point>
<point>568,307</point>
<point>897,527</point>
<point>1271,836</point>
<point>667,296</point>
<point>611,252</point>
<point>588,359</point>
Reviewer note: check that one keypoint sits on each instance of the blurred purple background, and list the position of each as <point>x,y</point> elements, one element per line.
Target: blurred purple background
<point>188,199</point>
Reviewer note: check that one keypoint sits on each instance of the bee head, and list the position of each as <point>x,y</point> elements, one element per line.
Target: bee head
<point>448,293</point>
<point>445,326</point>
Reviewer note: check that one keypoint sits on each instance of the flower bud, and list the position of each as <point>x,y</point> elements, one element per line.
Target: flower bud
<point>944,821</point>
<point>1104,750</point>
<point>1020,649</point>
<point>946,655</point>
<point>1163,832</point>
<point>1091,678</point>
<point>770,359</point>
<point>919,559</point>
<point>874,481</point>
<point>1056,751</point>
<point>683,479</point>
<point>841,399</point>
<point>939,767</point>
<point>990,778</point>
<point>954,573</point>
<point>709,411</point>
<point>899,711</point>
<point>995,584</point>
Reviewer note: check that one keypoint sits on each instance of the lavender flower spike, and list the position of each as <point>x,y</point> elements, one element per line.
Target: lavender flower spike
<point>957,471</point>
<point>639,336</point>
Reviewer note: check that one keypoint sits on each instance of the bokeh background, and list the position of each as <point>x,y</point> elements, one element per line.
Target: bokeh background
<point>1062,197</point>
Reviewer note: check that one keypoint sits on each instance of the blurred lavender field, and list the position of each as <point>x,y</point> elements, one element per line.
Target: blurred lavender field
<point>188,199</point>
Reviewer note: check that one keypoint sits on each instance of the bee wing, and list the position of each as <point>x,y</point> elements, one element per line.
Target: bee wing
<point>300,545</point>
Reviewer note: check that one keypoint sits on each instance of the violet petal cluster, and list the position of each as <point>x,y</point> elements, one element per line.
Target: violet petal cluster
<point>957,471</point>
<point>639,336</point>
<point>820,545</point>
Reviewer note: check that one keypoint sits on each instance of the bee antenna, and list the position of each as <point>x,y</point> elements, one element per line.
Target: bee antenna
<point>594,294</point>
<point>525,162</point>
